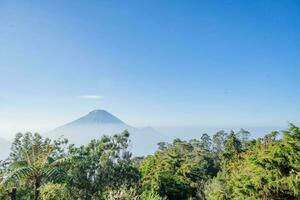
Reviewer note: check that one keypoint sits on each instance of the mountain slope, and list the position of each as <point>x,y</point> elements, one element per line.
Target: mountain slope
<point>97,117</point>
<point>4,148</point>
<point>99,122</point>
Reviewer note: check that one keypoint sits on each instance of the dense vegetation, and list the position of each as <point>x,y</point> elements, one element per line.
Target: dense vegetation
<point>224,166</point>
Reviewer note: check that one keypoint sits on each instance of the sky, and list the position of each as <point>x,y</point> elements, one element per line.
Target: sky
<point>151,63</point>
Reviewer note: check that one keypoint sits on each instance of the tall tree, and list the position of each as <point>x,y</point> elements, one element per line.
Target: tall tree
<point>270,169</point>
<point>101,165</point>
<point>233,146</point>
<point>32,163</point>
<point>205,142</point>
<point>178,171</point>
<point>244,137</point>
<point>219,140</point>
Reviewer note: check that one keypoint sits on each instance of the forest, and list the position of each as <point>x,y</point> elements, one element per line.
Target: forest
<point>226,165</point>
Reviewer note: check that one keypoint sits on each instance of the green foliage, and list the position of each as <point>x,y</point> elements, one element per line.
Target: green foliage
<point>151,195</point>
<point>221,167</point>
<point>122,193</point>
<point>180,169</point>
<point>233,147</point>
<point>269,169</point>
<point>32,163</point>
<point>215,189</point>
<point>54,192</point>
<point>101,165</point>
<point>131,193</point>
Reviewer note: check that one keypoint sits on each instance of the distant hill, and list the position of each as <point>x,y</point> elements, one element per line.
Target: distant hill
<point>4,148</point>
<point>99,122</point>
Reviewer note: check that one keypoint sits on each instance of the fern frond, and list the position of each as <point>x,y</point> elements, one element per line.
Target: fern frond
<point>18,174</point>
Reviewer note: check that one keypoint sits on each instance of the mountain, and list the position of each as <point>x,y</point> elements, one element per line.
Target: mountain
<point>99,122</point>
<point>97,117</point>
<point>4,148</point>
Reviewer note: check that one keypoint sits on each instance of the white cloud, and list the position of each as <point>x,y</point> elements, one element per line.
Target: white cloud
<point>96,97</point>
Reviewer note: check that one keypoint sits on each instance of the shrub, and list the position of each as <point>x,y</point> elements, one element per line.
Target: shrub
<point>54,192</point>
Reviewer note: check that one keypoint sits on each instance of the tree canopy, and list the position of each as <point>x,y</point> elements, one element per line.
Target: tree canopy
<point>220,166</point>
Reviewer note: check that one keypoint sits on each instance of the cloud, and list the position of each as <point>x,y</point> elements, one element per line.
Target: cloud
<point>96,97</point>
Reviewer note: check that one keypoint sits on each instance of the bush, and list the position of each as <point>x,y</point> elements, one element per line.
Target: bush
<point>121,194</point>
<point>54,192</point>
<point>132,193</point>
<point>151,195</point>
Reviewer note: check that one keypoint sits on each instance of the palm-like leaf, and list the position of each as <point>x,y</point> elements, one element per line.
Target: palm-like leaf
<point>54,174</point>
<point>19,173</point>
<point>32,161</point>
<point>17,164</point>
<point>35,165</point>
<point>62,161</point>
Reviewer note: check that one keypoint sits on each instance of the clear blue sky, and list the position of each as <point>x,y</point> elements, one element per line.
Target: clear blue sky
<point>159,63</point>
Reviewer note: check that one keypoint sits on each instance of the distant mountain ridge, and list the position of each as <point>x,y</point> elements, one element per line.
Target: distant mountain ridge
<point>99,122</point>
